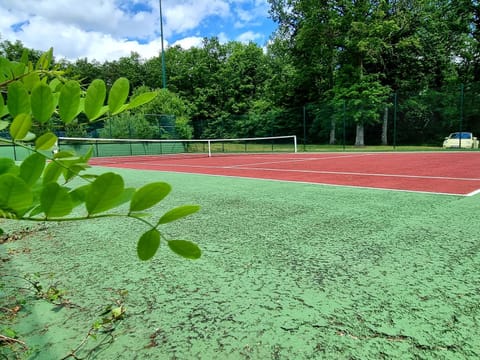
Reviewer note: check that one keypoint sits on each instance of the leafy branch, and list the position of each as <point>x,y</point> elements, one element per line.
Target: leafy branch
<point>38,188</point>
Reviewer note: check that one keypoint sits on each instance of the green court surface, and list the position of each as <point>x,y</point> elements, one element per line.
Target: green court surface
<point>289,271</point>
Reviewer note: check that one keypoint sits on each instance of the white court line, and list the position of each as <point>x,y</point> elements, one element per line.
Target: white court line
<point>322,184</point>
<point>473,193</point>
<point>366,174</point>
<point>295,160</point>
<point>313,171</point>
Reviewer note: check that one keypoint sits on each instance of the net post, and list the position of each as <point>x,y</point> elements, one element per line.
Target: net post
<point>295,143</point>
<point>96,148</point>
<point>209,148</point>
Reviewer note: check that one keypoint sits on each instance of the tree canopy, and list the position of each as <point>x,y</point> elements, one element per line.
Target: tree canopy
<point>331,65</point>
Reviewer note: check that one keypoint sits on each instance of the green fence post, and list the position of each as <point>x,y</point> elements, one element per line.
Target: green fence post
<point>394,120</point>
<point>461,115</point>
<point>344,122</point>
<point>304,129</point>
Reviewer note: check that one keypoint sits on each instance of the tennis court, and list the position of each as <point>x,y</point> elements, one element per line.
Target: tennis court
<point>456,173</point>
<point>291,269</point>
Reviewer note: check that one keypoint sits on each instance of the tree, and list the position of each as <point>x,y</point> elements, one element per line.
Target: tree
<point>243,75</point>
<point>128,126</point>
<point>167,112</point>
<point>403,46</point>
<point>15,51</point>
<point>85,71</point>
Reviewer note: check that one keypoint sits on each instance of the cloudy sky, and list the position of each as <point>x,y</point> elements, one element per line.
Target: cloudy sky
<point>108,29</point>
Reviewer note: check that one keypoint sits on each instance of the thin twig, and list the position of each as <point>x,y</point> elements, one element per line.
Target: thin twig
<point>8,339</point>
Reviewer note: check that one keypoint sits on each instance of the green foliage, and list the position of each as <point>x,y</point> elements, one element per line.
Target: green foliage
<point>128,126</point>
<point>365,99</point>
<point>39,188</point>
<point>183,127</point>
<point>166,103</point>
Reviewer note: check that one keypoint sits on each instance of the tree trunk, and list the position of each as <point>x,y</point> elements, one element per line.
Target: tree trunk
<point>359,138</point>
<point>332,132</point>
<point>384,127</point>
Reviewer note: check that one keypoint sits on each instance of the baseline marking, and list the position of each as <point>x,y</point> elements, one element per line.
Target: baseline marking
<point>312,171</point>
<point>364,174</point>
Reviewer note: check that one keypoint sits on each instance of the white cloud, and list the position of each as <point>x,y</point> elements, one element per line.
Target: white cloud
<point>187,15</point>
<point>250,12</point>
<point>249,36</point>
<point>189,42</point>
<point>108,29</point>
<point>223,38</point>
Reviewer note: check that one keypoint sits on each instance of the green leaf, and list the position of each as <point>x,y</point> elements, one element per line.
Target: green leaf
<point>7,214</point>
<point>3,124</point>
<point>87,155</point>
<point>55,200</point>
<point>6,164</point>
<point>148,244</point>
<point>79,195</point>
<point>3,112</point>
<point>37,210</point>
<point>102,112</point>
<point>69,101</point>
<point>65,154</point>
<point>55,84</point>
<point>14,194</point>
<point>141,99</point>
<point>104,193</point>
<point>118,94</point>
<point>45,60</point>
<point>89,176</point>
<point>29,137</point>
<point>18,100</point>
<point>74,169</point>
<point>31,168</point>
<point>149,195</point>
<point>24,58</point>
<point>19,69</point>
<point>46,141</point>
<point>9,332</point>
<point>95,98</point>
<point>42,102</point>
<point>20,126</point>
<point>31,80</point>
<point>185,248</point>
<point>6,71</point>
<point>2,106</point>
<point>52,172</point>
<point>125,197</point>
<point>120,110</point>
<point>178,213</point>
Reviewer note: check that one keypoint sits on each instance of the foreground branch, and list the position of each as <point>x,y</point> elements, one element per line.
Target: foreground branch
<point>9,340</point>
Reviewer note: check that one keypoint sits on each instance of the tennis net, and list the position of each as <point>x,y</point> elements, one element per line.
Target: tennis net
<point>103,147</point>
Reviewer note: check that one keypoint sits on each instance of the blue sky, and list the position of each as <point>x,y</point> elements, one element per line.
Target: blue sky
<point>108,29</point>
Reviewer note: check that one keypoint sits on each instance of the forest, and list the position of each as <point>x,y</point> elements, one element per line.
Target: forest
<point>361,72</point>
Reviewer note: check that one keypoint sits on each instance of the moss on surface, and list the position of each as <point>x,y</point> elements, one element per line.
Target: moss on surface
<point>289,271</point>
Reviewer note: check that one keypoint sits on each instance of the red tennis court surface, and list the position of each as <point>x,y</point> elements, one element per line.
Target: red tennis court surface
<point>456,173</point>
